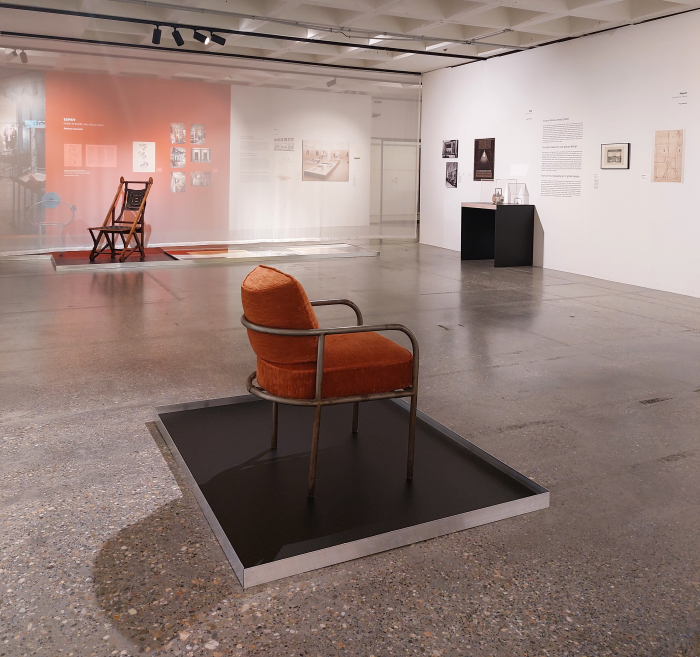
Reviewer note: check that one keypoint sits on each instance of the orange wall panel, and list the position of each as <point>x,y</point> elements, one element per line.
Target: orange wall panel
<point>117,111</point>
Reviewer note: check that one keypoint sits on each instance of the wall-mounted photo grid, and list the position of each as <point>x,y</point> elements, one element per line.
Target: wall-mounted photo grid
<point>178,156</point>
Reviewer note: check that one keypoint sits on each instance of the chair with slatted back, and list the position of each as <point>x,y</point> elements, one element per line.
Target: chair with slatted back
<point>128,225</point>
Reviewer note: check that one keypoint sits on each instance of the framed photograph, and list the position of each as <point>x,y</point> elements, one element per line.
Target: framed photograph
<point>177,182</point>
<point>178,157</point>
<point>178,133</point>
<point>200,155</point>
<point>484,159</point>
<point>449,148</point>
<point>615,156</point>
<point>197,133</point>
<point>326,161</point>
<point>200,178</point>
<point>451,175</point>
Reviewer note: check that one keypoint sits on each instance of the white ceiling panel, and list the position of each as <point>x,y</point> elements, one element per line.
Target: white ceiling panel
<point>358,28</point>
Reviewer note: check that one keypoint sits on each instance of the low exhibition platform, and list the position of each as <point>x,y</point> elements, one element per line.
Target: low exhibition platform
<point>255,500</point>
<point>79,261</point>
<point>258,253</point>
<point>70,261</point>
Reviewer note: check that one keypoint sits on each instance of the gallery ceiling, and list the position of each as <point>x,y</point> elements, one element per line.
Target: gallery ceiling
<point>333,45</point>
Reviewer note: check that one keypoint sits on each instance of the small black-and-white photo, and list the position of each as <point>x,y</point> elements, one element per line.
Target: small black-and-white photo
<point>197,133</point>
<point>200,178</point>
<point>178,133</point>
<point>449,148</point>
<point>614,156</point>
<point>178,157</point>
<point>177,181</point>
<point>451,174</point>
<point>200,155</point>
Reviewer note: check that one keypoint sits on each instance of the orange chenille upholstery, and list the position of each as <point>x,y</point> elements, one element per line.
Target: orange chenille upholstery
<point>307,365</point>
<point>275,299</point>
<point>353,364</point>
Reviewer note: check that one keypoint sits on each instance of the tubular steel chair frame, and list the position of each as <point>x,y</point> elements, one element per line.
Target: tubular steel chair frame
<point>113,226</point>
<point>50,204</point>
<point>318,401</point>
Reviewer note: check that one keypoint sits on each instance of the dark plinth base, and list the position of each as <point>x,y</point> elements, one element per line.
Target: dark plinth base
<point>255,500</point>
<point>79,260</point>
<point>502,233</point>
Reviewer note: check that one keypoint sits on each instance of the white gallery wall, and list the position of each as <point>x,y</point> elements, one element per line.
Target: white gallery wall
<point>269,198</point>
<point>623,86</point>
<point>395,119</point>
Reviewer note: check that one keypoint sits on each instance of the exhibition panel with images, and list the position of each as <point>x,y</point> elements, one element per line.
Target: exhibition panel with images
<point>609,184</point>
<point>230,163</point>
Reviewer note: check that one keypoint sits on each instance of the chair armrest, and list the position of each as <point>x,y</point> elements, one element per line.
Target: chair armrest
<point>340,330</point>
<point>343,302</point>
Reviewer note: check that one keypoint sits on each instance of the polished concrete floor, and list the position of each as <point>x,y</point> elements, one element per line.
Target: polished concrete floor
<point>591,388</point>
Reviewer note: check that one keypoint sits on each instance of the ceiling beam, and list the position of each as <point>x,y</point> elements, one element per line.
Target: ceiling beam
<point>141,46</point>
<point>204,28</point>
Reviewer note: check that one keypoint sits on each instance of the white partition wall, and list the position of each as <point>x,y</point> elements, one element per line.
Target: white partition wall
<point>622,86</point>
<point>230,163</point>
<point>278,135</point>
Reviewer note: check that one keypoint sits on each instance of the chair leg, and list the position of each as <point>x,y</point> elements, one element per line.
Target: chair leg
<point>314,451</point>
<point>355,416</point>
<point>411,437</point>
<point>275,412</point>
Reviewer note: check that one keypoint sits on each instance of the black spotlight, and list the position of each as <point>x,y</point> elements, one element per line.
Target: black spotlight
<point>202,38</point>
<point>156,36</point>
<point>218,39</point>
<point>11,55</point>
<point>23,57</point>
<point>178,38</point>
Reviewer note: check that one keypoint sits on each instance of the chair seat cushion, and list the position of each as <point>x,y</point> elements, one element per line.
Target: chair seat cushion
<point>353,364</point>
<point>114,229</point>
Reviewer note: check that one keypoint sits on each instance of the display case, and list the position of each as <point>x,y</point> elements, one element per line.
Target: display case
<point>518,194</point>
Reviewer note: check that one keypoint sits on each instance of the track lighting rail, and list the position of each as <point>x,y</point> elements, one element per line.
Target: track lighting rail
<point>210,53</point>
<point>355,31</point>
<point>216,32</point>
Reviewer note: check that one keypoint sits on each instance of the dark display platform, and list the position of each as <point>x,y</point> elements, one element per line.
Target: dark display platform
<point>502,233</point>
<point>255,500</point>
<point>79,260</point>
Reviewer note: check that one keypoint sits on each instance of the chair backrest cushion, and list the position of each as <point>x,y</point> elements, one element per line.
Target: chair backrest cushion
<point>277,300</point>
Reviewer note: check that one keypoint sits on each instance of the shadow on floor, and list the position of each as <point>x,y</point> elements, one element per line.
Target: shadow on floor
<point>163,574</point>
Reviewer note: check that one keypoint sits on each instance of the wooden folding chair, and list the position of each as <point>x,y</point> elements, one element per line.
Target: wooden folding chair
<point>129,224</point>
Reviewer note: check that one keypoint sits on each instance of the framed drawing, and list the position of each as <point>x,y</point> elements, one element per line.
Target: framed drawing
<point>668,156</point>
<point>144,156</point>
<point>484,156</point>
<point>615,156</point>
<point>449,148</point>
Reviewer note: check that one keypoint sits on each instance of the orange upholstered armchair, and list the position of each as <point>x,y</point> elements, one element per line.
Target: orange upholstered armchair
<point>304,365</point>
